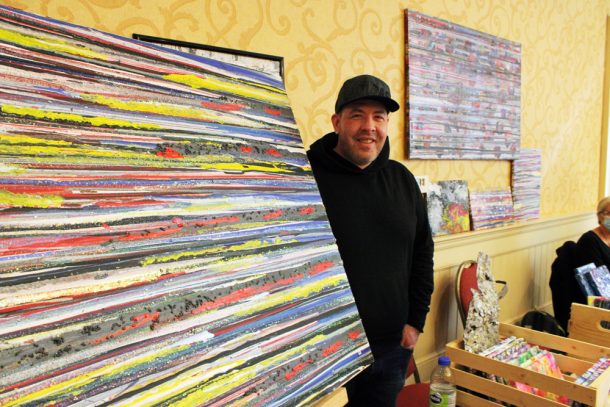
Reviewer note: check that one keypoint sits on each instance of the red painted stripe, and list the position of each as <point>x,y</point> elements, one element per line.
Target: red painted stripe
<point>320,267</point>
<point>229,107</point>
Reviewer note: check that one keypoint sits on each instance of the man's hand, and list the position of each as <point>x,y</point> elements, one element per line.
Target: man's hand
<point>409,337</point>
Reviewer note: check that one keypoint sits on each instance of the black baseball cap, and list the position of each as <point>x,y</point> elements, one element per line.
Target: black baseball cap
<point>365,87</point>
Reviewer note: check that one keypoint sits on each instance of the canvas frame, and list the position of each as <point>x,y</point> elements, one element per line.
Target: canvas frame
<point>272,64</point>
<point>162,237</point>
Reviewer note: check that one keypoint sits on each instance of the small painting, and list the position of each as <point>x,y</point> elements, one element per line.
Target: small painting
<point>491,208</point>
<point>448,207</point>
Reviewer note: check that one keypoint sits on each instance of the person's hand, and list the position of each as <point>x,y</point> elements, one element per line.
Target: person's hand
<point>409,337</point>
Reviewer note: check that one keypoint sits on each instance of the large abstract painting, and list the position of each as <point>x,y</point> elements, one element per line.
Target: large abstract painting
<point>162,238</point>
<point>463,90</point>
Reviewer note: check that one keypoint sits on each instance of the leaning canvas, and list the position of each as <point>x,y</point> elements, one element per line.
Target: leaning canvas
<point>526,176</point>
<point>162,238</point>
<point>448,207</point>
<point>490,208</point>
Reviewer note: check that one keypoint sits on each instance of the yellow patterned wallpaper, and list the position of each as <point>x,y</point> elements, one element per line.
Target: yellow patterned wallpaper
<point>324,42</point>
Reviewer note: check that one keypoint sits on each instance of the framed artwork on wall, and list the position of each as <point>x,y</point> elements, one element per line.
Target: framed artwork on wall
<point>463,91</point>
<point>270,64</point>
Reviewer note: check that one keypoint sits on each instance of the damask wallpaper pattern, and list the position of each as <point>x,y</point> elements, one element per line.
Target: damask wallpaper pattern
<point>323,43</point>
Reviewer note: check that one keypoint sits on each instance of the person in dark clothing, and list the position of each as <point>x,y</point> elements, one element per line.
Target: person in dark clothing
<point>379,218</point>
<point>592,247</point>
<point>564,287</point>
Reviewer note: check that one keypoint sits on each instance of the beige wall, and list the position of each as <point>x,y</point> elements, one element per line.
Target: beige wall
<point>323,42</point>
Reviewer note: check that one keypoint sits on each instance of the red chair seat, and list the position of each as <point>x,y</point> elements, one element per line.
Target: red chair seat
<point>413,395</point>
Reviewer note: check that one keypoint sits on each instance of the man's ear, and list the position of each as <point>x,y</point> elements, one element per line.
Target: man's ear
<point>335,118</point>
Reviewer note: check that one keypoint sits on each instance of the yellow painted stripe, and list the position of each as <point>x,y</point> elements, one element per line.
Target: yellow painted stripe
<point>29,201</point>
<point>106,371</point>
<point>209,389</point>
<point>172,110</point>
<point>21,139</point>
<point>50,44</point>
<point>286,296</point>
<point>275,168</point>
<point>206,82</point>
<point>248,245</point>
<point>94,120</point>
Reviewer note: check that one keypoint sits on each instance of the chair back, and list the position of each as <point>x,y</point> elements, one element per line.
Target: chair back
<point>465,281</point>
<point>412,370</point>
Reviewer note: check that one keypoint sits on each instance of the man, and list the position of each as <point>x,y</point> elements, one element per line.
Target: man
<point>379,218</point>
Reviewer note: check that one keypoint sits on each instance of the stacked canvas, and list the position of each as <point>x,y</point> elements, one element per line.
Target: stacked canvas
<point>526,184</point>
<point>491,208</point>
<point>593,280</point>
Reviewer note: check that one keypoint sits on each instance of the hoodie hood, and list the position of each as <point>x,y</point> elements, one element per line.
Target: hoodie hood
<point>323,153</point>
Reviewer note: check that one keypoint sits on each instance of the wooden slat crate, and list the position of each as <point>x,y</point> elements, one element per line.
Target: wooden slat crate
<point>582,356</point>
<point>585,324</point>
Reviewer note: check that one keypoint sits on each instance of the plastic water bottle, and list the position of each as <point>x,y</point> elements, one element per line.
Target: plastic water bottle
<point>442,388</point>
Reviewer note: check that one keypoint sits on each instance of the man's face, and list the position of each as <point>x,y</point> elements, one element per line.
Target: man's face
<point>362,128</point>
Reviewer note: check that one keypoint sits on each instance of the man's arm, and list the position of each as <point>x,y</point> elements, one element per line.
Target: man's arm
<point>421,282</point>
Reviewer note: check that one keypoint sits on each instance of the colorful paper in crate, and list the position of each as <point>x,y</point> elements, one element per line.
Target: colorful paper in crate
<point>162,238</point>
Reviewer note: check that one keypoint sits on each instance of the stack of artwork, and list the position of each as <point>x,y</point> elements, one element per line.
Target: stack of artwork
<point>162,238</point>
<point>593,280</point>
<point>526,181</point>
<point>491,208</point>
<point>464,102</point>
<point>452,208</point>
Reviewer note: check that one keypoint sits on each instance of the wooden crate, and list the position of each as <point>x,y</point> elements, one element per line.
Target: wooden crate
<point>585,324</point>
<point>582,356</point>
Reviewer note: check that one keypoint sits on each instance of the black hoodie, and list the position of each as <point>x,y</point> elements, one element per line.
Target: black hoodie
<point>379,219</point>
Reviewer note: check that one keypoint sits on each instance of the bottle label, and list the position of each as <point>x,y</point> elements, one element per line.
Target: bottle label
<point>438,399</point>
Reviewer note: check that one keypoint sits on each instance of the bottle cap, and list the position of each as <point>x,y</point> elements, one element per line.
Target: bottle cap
<point>444,361</point>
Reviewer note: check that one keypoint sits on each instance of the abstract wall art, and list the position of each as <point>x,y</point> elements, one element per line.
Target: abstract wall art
<point>448,207</point>
<point>491,208</point>
<point>526,182</point>
<point>463,91</point>
<point>162,238</point>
